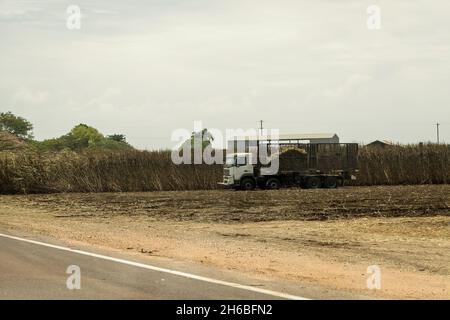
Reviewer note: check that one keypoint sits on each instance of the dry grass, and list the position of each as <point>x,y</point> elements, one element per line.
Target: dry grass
<point>31,172</point>
<point>101,172</point>
<point>411,164</point>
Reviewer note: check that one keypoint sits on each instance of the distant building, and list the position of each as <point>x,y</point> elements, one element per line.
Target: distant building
<point>312,137</point>
<point>380,144</point>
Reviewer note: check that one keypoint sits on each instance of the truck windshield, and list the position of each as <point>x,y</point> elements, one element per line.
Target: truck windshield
<point>230,161</point>
<point>241,160</point>
<point>235,160</point>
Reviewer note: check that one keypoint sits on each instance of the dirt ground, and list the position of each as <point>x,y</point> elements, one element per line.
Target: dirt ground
<point>321,237</point>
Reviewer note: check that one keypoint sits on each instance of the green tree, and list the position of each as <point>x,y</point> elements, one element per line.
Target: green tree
<point>15,125</point>
<point>204,137</point>
<point>83,137</point>
<point>118,137</point>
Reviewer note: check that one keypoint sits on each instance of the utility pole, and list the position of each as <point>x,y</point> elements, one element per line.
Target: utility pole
<point>257,141</point>
<point>437,132</point>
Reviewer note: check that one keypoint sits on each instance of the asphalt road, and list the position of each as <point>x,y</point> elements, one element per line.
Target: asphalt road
<point>35,271</point>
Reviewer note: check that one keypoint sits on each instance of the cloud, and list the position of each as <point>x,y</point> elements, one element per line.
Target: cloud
<point>348,86</point>
<point>30,97</point>
<point>105,101</point>
<point>19,10</point>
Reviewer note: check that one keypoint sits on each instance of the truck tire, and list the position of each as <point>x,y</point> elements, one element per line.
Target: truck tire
<point>313,182</point>
<point>248,184</point>
<point>330,182</point>
<point>273,183</point>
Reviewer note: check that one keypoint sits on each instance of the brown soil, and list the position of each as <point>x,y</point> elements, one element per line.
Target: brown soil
<point>254,206</point>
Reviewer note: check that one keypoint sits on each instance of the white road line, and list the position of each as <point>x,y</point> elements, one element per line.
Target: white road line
<point>154,268</point>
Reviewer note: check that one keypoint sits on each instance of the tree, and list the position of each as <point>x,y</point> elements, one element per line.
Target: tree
<point>203,137</point>
<point>83,137</point>
<point>117,137</point>
<point>15,125</point>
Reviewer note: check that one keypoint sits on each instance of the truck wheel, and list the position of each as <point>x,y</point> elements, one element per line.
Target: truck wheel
<point>313,183</point>
<point>273,184</point>
<point>330,182</point>
<point>248,184</point>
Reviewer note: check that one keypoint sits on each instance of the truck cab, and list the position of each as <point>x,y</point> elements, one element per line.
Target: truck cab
<point>237,167</point>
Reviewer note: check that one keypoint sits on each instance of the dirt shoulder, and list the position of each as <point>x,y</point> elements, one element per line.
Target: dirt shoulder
<point>412,251</point>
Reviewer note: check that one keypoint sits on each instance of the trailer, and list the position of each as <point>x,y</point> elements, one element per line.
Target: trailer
<point>298,164</point>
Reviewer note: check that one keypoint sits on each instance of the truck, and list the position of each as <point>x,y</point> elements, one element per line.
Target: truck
<point>305,165</point>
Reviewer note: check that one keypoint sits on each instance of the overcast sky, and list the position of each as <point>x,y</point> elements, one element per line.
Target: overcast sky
<point>145,68</point>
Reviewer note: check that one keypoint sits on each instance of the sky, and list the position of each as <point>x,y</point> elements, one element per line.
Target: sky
<point>147,68</point>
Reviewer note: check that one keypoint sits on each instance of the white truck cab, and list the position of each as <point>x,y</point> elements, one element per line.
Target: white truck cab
<point>237,166</point>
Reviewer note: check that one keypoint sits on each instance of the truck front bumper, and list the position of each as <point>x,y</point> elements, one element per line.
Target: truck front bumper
<point>228,182</point>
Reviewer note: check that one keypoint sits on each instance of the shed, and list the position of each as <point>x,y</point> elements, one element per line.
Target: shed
<point>380,144</point>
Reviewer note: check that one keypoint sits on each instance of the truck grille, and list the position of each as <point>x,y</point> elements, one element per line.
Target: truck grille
<point>226,172</point>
